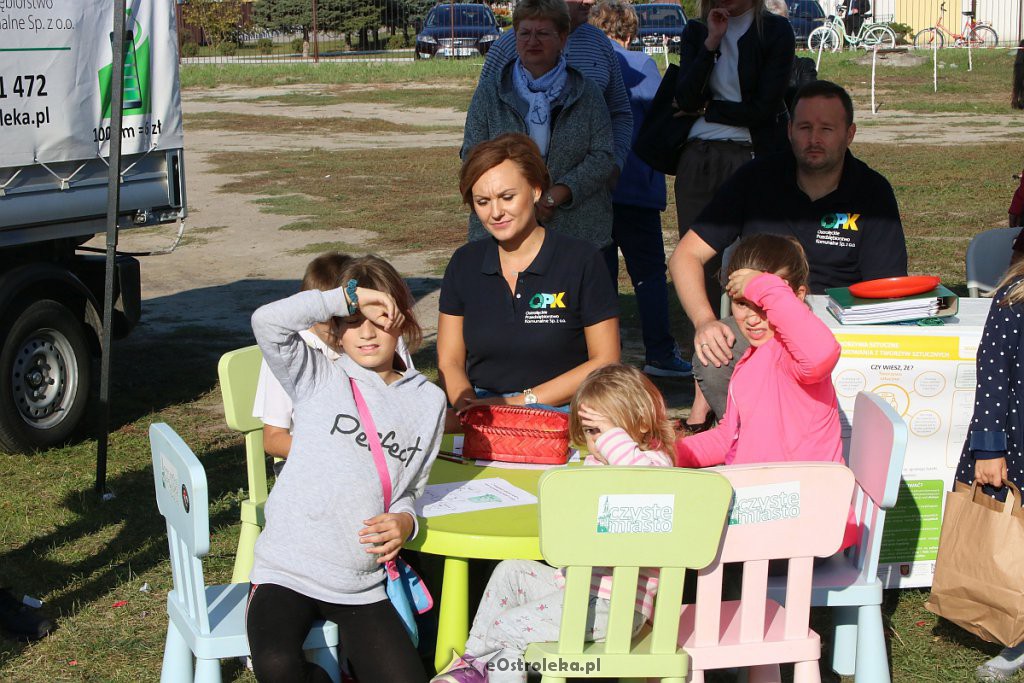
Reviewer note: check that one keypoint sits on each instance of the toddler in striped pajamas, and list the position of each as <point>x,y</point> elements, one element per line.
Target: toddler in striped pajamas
<point>620,416</point>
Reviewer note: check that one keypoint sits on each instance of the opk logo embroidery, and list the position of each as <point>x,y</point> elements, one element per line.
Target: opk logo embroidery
<point>543,300</point>
<point>846,221</point>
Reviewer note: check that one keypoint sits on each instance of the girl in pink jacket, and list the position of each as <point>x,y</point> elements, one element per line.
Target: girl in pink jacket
<point>781,406</point>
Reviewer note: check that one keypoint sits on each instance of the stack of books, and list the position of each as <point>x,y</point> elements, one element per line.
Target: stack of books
<point>851,310</point>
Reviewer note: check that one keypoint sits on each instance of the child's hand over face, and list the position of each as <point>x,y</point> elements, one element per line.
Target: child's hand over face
<point>594,425</point>
<point>380,308</point>
<point>388,533</point>
<point>736,287</point>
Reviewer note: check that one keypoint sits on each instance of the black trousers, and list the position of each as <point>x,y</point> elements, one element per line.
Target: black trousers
<point>372,637</point>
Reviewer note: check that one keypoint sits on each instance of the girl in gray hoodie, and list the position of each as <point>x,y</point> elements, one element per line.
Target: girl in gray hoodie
<point>327,535</point>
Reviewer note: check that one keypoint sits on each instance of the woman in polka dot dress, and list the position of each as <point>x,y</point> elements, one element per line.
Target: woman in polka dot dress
<point>992,452</point>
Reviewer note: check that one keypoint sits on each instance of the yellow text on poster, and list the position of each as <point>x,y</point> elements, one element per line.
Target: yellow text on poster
<point>901,347</point>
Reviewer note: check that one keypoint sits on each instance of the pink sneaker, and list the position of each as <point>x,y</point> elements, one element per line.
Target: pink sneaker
<point>462,669</point>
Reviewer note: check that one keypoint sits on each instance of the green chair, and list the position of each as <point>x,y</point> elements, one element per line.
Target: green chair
<point>626,518</point>
<point>239,372</point>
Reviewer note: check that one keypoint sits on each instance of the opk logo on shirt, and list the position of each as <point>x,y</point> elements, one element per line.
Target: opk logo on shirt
<point>544,300</point>
<point>835,221</point>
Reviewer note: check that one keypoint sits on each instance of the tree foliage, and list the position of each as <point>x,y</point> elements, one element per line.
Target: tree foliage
<point>357,19</point>
<point>219,20</point>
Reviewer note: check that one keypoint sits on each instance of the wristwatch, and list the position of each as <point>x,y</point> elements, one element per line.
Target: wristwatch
<point>353,299</point>
<point>549,201</point>
<point>529,397</point>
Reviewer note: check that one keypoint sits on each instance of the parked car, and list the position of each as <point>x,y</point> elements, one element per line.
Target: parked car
<point>459,30</point>
<point>805,16</point>
<point>657,22</point>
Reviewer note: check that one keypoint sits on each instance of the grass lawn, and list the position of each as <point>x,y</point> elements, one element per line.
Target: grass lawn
<point>84,557</point>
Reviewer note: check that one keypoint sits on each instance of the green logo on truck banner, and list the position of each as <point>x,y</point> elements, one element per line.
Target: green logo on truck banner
<point>137,85</point>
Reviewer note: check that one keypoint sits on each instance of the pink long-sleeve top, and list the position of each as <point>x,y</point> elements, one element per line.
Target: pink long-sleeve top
<point>782,405</point>
<point>619,449</point>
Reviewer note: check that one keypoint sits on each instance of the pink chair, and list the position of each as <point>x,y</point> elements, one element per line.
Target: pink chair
<point>848,582</point>
<point>789,511</point>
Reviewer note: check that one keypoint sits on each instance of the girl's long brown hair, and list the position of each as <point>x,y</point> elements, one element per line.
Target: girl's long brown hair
<point>778,254</point>
<point>373,272</point>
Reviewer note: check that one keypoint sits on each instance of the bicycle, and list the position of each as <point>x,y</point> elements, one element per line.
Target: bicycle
<point>977,34</point>
<point>832,35</point>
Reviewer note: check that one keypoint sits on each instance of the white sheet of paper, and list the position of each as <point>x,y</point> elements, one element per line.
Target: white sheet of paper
<point>471,496</point>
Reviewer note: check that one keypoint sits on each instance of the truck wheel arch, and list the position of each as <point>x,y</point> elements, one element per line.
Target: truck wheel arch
<point>31,282</point>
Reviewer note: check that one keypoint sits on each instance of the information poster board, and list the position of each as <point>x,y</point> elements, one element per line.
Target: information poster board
<point>928,375</point>
<point>55,80</point>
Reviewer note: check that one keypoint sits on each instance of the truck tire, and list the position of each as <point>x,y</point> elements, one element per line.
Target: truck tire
<point>44,377</point>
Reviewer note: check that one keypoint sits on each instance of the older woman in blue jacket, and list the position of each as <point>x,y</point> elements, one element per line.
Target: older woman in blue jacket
<point>563,112</point>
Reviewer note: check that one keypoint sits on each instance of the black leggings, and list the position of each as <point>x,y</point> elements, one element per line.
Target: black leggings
<point>372,636</point>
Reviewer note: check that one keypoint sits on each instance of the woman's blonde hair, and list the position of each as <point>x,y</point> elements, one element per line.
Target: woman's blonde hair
<point>629,400</point>
<point>616,18</point>
<point>373,272</point>
<point>1015,294</point>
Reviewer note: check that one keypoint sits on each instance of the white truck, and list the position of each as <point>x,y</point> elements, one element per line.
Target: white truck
<point>55,93</point>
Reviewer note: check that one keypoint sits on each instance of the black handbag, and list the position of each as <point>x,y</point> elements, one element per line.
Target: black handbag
<point>662,136</point>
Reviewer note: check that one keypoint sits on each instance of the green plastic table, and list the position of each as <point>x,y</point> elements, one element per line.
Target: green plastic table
<point>501,534</point>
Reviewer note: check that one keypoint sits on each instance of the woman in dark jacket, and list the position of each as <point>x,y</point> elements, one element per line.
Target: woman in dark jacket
<point>734,68</point>
<point>734,87</point>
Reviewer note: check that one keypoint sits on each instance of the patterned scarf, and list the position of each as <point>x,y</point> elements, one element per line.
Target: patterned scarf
<point>539,93</point>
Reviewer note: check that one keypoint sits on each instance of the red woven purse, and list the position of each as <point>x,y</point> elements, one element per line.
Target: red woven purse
<point>516,434</point>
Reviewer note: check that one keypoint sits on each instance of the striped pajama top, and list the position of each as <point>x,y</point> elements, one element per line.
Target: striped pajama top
<point>619,449</point>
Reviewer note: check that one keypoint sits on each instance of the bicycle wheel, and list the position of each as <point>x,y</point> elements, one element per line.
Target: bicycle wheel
<point>882,36</point>
<point>824,38</point>
<point>926,38</point>
<point>984,36</point>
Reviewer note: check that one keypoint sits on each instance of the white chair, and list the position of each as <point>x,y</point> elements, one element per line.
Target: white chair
<point>988,257</point>
<point>205,621</point>
<point>848,581</point>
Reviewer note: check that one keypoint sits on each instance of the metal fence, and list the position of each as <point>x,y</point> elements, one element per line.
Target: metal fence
<point>245,31</point>
<point>240,31</point>
<point>1003,16</point>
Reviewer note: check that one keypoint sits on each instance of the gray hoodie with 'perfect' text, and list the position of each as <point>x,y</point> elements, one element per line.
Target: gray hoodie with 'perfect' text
<point>318,505</point>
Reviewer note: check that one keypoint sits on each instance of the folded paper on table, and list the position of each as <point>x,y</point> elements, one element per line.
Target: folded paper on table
<point>471,496</point>
<point>851,310</point>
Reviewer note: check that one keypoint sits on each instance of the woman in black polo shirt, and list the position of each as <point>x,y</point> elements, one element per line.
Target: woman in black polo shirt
<point>528,313</point>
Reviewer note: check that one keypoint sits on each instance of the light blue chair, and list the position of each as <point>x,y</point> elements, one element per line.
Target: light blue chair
<point>205,621</point>
<point>848,582</point>
<point>988,257</point>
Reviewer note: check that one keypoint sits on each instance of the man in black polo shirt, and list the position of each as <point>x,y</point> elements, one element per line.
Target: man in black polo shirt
<point>842,212</point>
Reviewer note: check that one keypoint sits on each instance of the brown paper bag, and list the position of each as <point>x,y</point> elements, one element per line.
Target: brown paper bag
<point>979,571</point>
